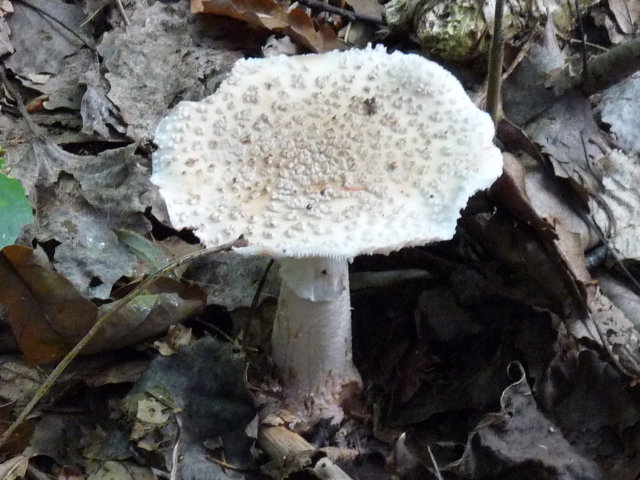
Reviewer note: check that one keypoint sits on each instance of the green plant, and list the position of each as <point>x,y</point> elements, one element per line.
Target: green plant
<point>15,209</point>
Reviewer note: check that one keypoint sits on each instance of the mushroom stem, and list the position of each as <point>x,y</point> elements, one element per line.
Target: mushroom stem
<point>311,341</point>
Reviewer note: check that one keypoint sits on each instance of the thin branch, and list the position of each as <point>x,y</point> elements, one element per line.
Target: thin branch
<point>256,300</point>
<point>175,454</point>
<point>224,464</point>
<point>351,15</point>
<point>22,109</point>
<point>123,14</point>
<point>480,100</point>
<point>496,55</point>
<point>589,44</point>
<point>64,363</point>
<point>44,13</point>
<point>583,38</point>
<point>92,16</point>
<point>434,463</point>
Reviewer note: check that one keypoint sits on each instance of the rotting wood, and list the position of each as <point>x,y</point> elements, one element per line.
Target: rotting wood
<point>280,443</point>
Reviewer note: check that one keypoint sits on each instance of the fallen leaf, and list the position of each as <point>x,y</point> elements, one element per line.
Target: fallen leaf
<point>48,315</point>
<point>15,209</point>
<point>150,410</point>
<point>627,15</point>
<point>151,254</point>
<point>53,43</point>
<point>122,471</point>
<point>203,383</point>
<point>127,372</point>
<point>152,63</point>
<point>20,438</point>
<point>79,201</point>
<point>621,296</point>
<point>99,114</point>
<point>371,8</point>
<point>568,133</point>
<point>198,393</point>
<point>165,302</point>
<point>275,17</point>
<point>610,329</point>
<point>520,442</point>
<point>14,468</point>
<point>588,314</point>
<point>603,178</point>
<point>618,107</point>
<point>576,387</point>
<point>525,93</point>
<point>5,45</point>
<point>18,382</point>
<point>43,308</point>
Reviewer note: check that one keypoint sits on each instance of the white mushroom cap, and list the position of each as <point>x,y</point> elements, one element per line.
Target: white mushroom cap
<point>336,155</point>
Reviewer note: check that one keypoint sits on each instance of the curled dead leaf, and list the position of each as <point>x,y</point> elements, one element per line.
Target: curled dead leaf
<point>48,315</point>
<point>271,15</point>
<point>44,310</point>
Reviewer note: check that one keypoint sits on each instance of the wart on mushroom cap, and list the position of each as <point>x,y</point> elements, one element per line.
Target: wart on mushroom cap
<point>334,155</point>
<point>325,156</point>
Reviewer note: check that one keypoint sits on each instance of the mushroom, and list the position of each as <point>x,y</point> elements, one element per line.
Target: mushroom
<point>316,159</point>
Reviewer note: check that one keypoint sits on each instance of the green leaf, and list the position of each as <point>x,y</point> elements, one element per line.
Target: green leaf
<point>15,209</point>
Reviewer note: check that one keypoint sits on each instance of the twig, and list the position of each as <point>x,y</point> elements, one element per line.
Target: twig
<point>351,15</point>
<point>347,31</point>
<point>122,13</point>
<point>64,363</point>
<point>496,55</point>
<point>91,17</point>
<point>434,463</point>
<point>175,454</point>
<point>524,51</point>
<point>224,464</point>
<point>31,125</point>
<point>589,44</point>
<point>256,299</point>
<point>583,38</point>
<point>214,329</point>
<point>54,19</point>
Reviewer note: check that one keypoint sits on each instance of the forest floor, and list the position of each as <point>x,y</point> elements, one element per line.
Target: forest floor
<point>509,351</point>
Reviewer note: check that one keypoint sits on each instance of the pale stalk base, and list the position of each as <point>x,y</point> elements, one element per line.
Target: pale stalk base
<point>311,341</point>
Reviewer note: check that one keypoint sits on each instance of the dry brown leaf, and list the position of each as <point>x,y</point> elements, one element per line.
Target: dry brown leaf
<point>601,323</point>
<point>44,310</point>
<point>271,15</point>
<point>556,258</point>
<point>19,382</point>
<point>48,315</point>
<point>18,441</point>
<point>611,329</point>
<point>127,372</point>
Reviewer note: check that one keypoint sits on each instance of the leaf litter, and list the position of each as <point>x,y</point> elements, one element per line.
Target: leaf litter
<point>514,353</point>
